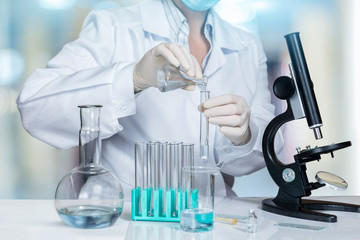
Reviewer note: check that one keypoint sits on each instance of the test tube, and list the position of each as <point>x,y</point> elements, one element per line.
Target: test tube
<point>151,160</point>
<point>139,161</point>
<point>156,165</point>
<point>187,154</point>
<point>163,155</point>
<point>174,160</point>
<point>168,167</point>
<point>187,160</point>
<point>174,154</point>
<point>168,209</point>
<point>187,157</point>
<point>204,128</point>
<point>140,170</point>
<point>180,162</point>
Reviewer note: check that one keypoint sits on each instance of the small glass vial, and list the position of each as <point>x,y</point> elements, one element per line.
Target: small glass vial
<point>171,78</point>
<point>252,222</point>
<point>89,196</point>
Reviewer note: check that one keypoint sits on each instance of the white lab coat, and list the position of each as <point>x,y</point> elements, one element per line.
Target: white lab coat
<point>97,68</point>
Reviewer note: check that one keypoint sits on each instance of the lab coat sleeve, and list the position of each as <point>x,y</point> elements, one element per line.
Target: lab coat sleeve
<point>243,160</point>
<point>82,73</point>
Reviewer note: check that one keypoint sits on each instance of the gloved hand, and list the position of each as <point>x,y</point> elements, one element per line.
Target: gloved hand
<point>145,71</point>
<point>232,114</point>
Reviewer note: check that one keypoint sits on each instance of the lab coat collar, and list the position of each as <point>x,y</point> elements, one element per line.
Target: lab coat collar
<point>215,62</point>
<point>225,39</point>
<point>224,36</point>
<point>153,16</point>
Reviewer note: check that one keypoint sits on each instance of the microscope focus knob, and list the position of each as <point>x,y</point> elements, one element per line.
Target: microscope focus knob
<point>284,87</point>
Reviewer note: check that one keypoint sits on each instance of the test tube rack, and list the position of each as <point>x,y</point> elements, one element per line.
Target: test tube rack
<point>157,195</point>
<point>141,199</point>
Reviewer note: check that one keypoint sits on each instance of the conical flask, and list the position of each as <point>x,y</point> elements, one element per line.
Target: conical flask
<point>171,78</point>
<point>89,196</point>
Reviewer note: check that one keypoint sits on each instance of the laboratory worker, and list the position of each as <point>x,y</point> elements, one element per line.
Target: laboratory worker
<point>114,62</point>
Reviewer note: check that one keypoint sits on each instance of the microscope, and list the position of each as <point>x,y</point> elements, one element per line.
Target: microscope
<point>292,179</point>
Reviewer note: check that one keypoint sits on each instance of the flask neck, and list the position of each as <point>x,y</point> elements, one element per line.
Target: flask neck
<point>89,136</point>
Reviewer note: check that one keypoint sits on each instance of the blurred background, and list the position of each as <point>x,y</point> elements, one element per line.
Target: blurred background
<point>32,32</point>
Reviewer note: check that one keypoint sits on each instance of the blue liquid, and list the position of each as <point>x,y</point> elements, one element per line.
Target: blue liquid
<point>197,220</point>
<point>89,216</point>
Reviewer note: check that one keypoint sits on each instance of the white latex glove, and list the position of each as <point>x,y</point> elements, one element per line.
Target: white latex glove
<point>232,114</point>
<point>145,71</point>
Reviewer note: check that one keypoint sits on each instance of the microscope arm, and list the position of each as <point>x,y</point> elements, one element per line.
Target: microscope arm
<point>290,177</point>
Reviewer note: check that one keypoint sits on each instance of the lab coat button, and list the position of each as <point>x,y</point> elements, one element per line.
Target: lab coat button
<point>123,108</point>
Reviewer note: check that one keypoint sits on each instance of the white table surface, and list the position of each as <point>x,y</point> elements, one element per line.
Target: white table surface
<point>37,219</point>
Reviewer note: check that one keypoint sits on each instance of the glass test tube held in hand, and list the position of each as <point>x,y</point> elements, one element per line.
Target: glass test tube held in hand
<point>204,128</point>
<point>170,78</point>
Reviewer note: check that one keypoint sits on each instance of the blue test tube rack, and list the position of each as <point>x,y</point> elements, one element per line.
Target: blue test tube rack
<point>171,213</point>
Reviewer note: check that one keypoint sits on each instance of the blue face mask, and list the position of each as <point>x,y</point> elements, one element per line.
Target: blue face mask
<point>199,5</point>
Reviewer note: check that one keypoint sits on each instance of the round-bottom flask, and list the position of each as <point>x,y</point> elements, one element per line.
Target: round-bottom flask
<point>89,196</point>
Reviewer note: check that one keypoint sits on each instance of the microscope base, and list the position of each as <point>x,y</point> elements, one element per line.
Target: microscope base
<point>304,209</point>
